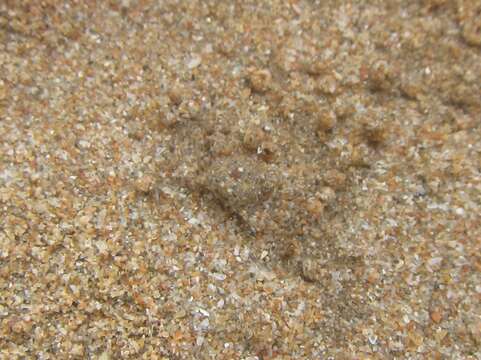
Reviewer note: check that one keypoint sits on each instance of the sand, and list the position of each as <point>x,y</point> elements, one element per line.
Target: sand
<point>240,180</point>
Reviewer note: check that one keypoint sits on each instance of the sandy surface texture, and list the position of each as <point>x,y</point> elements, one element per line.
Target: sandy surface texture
<point>240,179</point>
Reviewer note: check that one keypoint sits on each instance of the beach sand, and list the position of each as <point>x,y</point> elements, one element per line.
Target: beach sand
<point>240,180</point>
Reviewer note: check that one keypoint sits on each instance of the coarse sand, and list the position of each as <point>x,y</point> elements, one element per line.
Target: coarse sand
<point>240,179</point>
